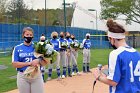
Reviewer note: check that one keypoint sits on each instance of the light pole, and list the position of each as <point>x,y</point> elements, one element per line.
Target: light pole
<point>96,17</point>
<point>65,24</point>
<point>92,23</point>
<point>45,18</point>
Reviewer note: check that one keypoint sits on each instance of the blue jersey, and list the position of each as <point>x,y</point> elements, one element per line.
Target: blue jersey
<point>23,53</point>
<point>86,43</point>
<point>69,42</point>
<point>56,44</point>
<point>124,69</point>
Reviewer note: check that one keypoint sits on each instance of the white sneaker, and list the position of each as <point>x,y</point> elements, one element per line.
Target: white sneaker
<point>73,74</point>
<point>49,78</point>
<point>59,78</point>
<point>78,73</point>
<point>63,76</point>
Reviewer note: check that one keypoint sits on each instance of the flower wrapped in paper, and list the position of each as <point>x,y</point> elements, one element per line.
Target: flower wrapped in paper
<point>64,45</point>
<point>32,72</point>
<point>44,50</point>
<point>75,44</point>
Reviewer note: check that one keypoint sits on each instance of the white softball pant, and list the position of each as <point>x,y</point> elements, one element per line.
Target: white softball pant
<point>86,55</point>
<point>30,85</point>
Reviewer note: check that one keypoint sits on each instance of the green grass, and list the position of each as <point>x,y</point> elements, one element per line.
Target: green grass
<point>98,56</point>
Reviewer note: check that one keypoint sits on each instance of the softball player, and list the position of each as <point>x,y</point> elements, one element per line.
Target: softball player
<point>43,39</point>
<point>56,44</point>
<point>63,41</point>
<point>86,53</point>
<point>74,56</point>
<point>69,40</point>
<point>22,57</point>
<point>124,63</point>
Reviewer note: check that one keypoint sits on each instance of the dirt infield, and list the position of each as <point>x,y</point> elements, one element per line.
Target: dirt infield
<point>75,84</point>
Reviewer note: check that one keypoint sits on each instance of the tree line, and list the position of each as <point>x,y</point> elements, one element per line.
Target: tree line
<point>16,11</point>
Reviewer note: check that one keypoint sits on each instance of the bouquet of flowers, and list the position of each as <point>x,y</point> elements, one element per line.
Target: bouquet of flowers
<point>64,45</point>
<point>44,50</point>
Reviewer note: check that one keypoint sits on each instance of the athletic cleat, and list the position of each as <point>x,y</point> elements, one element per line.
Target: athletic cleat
<point>73,74</point>
<point>59,78</point>
<point>78,73</point>
<point>49,78</point>
<point>70,75</point>
<point>89,71</point>
<point>63,76</point>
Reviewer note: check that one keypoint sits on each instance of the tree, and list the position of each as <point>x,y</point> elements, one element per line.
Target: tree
<point>2,8</point>
<point>18,9</point>
<point>130,9</point>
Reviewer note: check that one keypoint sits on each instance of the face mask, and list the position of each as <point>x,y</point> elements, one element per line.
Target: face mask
<point>28,39</point>
<point>88,37</point>
<point>54,37</point>
<point>42,40</point>
<point>72,38</point>
<point>61,36</point>
<point>114,47</point>
<point>68,37</point>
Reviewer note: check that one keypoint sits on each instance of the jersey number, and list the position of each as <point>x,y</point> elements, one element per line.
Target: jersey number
<point>28,59</point>
<point>136,71</point>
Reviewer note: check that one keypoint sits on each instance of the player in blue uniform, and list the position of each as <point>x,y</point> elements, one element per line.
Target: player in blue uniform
<point>69,54</point>
<point>124,63</point>
<point>63,48</point>
<point>22,57</point>
<point>56,45</point>
<point>74,56</point>
<point>86,53</point>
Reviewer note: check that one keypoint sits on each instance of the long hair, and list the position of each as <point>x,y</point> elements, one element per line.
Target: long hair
<point>114,27</point>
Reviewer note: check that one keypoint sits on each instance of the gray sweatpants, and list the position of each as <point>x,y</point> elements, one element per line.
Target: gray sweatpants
<point>86,55</point>
<point>29,85</point>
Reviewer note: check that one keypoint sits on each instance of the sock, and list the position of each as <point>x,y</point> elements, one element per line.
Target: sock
<point>64,71</point>
<point>69,70</point>
<point>76,68</point>
<point>50,73</point>
<point>84,67</point>
<point>58,72</point>
<point>88,69</point>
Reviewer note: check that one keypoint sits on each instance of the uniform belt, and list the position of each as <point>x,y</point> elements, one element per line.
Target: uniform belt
<point>86,48</point>
<point>21,70</point>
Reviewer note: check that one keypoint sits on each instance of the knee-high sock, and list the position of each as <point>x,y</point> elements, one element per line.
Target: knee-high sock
<point>84,67</point>
<point>69,70</point>
<point>88,68</point>
<point>58,72</point>
<point>64,71</point>
<point>49,72</point>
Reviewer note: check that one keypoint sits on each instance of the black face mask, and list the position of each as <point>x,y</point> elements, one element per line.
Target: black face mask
<point>28,39</point>
<point>54,37</point>
<point>88,37</point>
<point>61,36</point>
<point>114,47</point>
<point>42,40</point>
<point>68,37</point>
<point>72,38</point>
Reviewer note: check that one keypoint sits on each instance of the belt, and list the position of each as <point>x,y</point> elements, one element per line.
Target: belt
<point>21,70</point>
<point>86,48</point>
